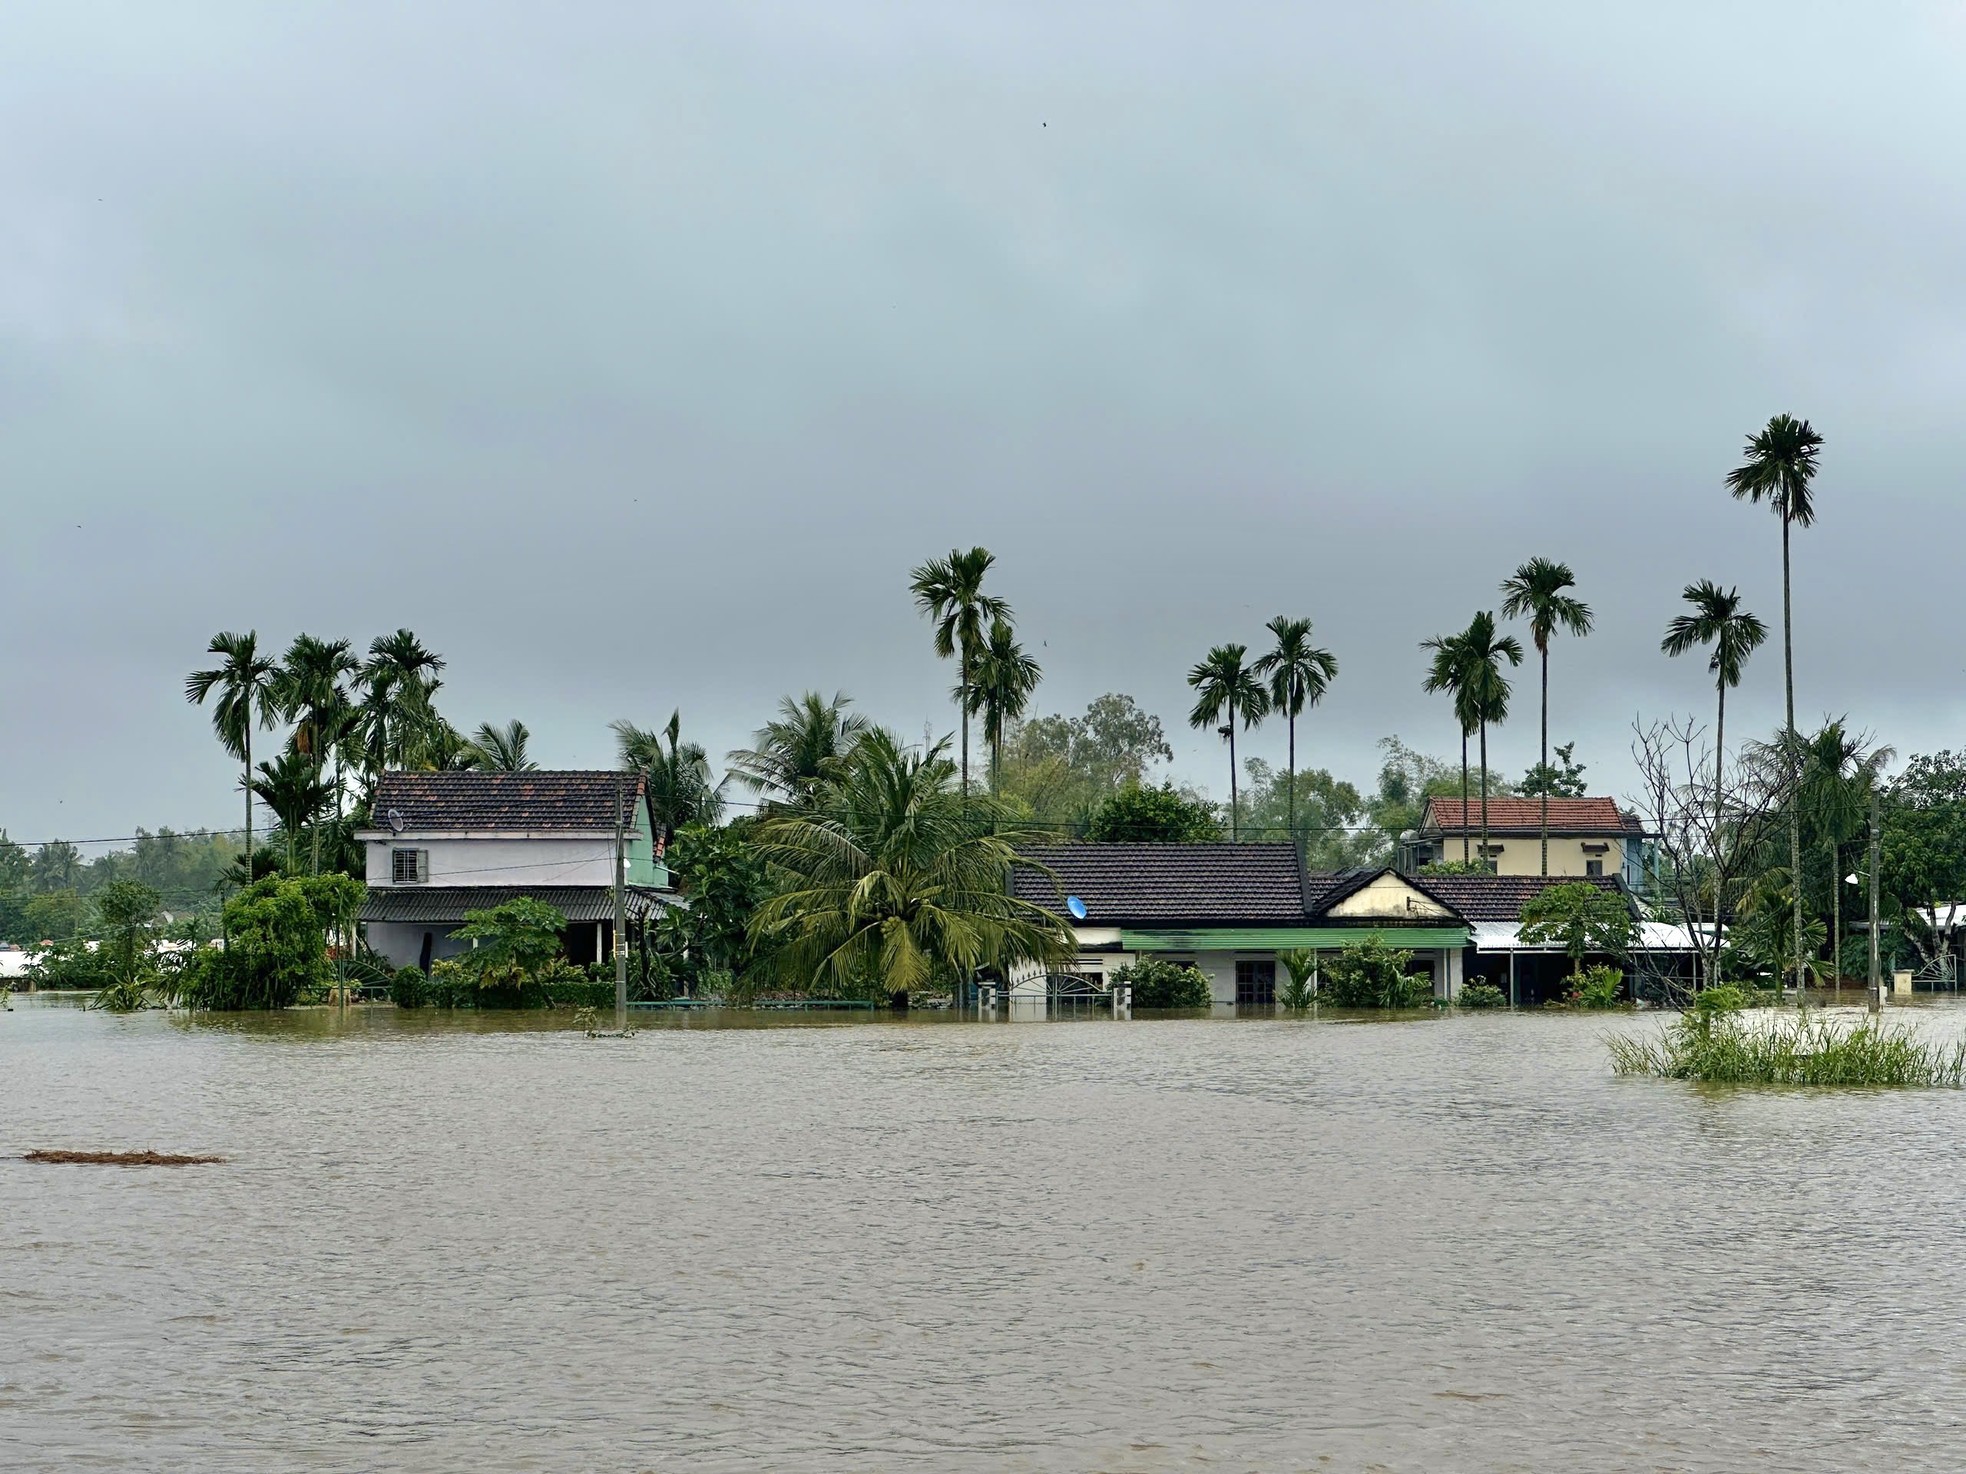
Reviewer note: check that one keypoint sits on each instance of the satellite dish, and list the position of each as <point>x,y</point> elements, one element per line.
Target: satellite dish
<point>395,821</point>
<point>1077,907</point>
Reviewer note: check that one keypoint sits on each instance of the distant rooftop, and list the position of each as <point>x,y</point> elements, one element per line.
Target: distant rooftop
<point>581,801</point>
<point>1524,816</point>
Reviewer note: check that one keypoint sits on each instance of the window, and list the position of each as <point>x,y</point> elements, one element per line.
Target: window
<point>1593,867</point>
<point>409,867</point>
<point>1256,984</point>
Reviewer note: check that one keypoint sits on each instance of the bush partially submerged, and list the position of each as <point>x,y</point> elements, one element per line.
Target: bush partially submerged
<point>1596,987</point>
<point>1482,995</point>
<point>1158,984</point>
<point>1370,974</point>
<point>1717,1042</point>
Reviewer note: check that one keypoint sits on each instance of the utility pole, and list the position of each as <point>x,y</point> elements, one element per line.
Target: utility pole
<point>620,918</point>
<point>1876,973</point>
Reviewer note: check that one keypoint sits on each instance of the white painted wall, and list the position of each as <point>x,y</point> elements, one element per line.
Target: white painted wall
<point>554,860</point>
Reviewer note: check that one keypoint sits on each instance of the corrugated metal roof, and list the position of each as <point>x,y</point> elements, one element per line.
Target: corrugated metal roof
<point>425,905</point>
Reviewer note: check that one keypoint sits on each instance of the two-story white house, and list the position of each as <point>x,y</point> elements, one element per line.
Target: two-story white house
<point>444,844</point>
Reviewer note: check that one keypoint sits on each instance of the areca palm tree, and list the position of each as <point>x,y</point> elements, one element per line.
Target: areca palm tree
<point>1449,671</point>
<point>888,880</point>
<point>1002,685</point>
<point>1226,684</point>
<point>1489,690</point>
<point>503,749</point>
<point>295,793</point>
<point>1717,620</point>
<point>677,788</point>
<point>1840,772</point>
<point>246,699</point>
<point>311,686</point>
<point>950,592</point>
<point>1780,470</point>
<point>798,749</point>
<point>398,714</point>
<point>1536,589</point>
<point>1299,673</point>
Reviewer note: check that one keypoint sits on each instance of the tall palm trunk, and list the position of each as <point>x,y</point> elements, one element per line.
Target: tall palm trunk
<point>1234,831</point>
<point>249,792</point>
<point>1545,761</point>
<point>1795,811</point>
<point>1719,812</point>
<point>1464,796</point>
<point>965,713</point>
<point>1290,721</point>
<point>1484,796</point>
<point>1836,912</point>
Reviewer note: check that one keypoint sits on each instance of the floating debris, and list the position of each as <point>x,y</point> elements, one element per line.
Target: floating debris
<point>122,1159</point>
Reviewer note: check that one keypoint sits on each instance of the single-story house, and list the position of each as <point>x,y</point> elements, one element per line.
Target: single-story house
<point>1228,909</point>
<point>444,844</point>
<point>1589,837</point>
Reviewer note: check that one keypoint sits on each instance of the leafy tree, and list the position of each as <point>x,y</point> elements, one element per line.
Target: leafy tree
<point>1780,470</point>
<point>1334,828</point>
<point>1163,815</point>
<point>53,916</point>
<point>1299,673</point>
<point>1225,684</point>
<point>1160,984</point>
<point>14,865</point>
<point>503,749</point>
<point>1717,620</point>
<point>247,698</point>
<point>1923,847</point>
<point>126,911</point>
<point>950,592</point>
<point>798,749</point>
<point>1583,919</point>
<point>276,947</point>
<point>1840,773</point>
<point>57,866</point>
<point>677,788</point>
<point>892,880</point>
<point>1371,974</point>
<point>1060,768</point>
<point>724,880</point>
<point>1538,590</point>
<point>1564,779</point>
<point>1001,687</point>
<point>517,950</point>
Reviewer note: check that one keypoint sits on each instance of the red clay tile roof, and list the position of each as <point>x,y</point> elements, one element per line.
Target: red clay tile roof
<point>1524,816</point>
<point>581,802</point>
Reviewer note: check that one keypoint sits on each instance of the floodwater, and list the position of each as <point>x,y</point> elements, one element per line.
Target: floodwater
<point>491,1244</point>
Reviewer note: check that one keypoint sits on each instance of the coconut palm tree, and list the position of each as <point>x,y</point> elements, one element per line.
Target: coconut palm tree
<point>503,749</point>
<point>798,749</point>
<point>950,592</point>
<point>677,788</point>
<point>247,698</point>
<point>1717,620</point>
<point>1489,692</point>
<point>889,881</point>
<point>312,689</point>
<point>1840,772</point>
<point>1449,671</point>
<point>1536,589</point>
<point>1299,673</point>
<point>1780,470</point>
<point>1002,685</point>
<point>1225,684</point>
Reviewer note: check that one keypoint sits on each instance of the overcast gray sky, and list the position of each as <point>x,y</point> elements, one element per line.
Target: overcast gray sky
<point>631,355</point>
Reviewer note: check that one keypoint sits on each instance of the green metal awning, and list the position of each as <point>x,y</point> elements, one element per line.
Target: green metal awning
<point>1285,938</point>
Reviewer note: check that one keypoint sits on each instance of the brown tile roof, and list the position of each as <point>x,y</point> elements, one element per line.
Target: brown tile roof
<point>1169,884</point>
<point>581,802</point>
<point>1524,816</point>
<point>1497,897</point>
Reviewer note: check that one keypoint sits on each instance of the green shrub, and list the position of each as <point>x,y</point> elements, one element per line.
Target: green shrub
<point>409,988</point>
<point>1298,993</point>
<point>1596,987</point>
<point>71,966</point>
<point>276,948</point>
<point>1370,974</point>
<point>1158,984</point>
<point>1482,995</point>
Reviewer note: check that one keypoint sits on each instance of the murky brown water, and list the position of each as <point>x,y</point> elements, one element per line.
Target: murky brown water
<point>470,1244</point>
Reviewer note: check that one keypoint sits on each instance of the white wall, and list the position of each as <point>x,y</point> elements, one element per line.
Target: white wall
<point>549,861</point>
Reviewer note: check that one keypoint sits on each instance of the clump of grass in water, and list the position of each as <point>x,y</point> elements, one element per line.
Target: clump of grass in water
<point>1713,1043</point>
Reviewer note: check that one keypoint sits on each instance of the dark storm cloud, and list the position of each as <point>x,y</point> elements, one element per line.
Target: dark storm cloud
<point>631,355</point>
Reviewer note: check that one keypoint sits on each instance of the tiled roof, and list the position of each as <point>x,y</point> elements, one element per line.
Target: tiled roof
<point>582,802</point>
<point>1497,897</point>
<point>1169,884</point>
<point>1524,816</point>
<point>446,905</point>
